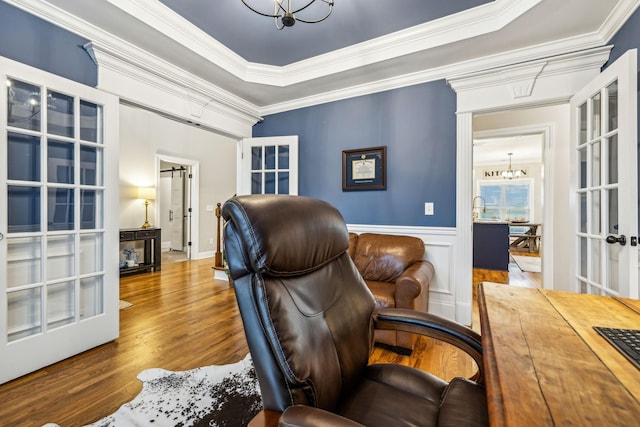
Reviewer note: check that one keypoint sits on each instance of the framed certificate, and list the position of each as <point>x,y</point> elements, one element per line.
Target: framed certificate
<point>364,169</point>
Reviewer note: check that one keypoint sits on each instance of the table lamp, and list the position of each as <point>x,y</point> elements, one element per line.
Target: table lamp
<point>146,193</point>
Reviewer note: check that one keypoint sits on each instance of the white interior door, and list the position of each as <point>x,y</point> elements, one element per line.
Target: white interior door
<point>58,219</point>
<point>268,165</point>
<point>604,159</point>
<point>176,213</point>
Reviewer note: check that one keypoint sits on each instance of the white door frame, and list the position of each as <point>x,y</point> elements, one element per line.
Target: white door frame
<point>195,198</point>
<point>537,83</point>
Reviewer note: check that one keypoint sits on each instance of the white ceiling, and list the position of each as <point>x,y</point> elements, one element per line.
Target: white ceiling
<point>465,36</point>
<point>525,148</point>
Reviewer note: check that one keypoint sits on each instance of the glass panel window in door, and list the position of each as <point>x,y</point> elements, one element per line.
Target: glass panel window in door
<point>256,158</point>
<point>23,157</point>
<point>60,115</point>
<point>24,261</point>
<point>24,315</point>
<point>60,257</point>
<point>90,115</point>
<point>612,159</point>
<point>270,183</point>
<point>612,196</point>
<point>23,105</point>
<point>596,112</point>
<point>91,166</point>
<point>270,157</point>
<point>583,124</point>
<point>60,304</point>
<point>283,182</point>
<point>283,157</point>
<point>60,162</point>
<point>612,94</point>
<point>595,164</point>
<point>91,209</point>
<point>582,159</point>
<point>91,253</point>
<point>23,209</point>
<point>256,183</point>
<point>91,300</point>
<point>60,206</point>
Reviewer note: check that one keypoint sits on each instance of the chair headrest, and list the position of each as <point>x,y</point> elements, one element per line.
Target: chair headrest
<point>283,235</point>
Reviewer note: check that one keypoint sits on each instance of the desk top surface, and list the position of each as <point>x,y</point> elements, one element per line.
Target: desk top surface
<point>544,363</point>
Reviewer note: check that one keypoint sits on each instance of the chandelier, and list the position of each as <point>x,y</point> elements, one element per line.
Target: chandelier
<point>510,173</point>
<point>285,16</point>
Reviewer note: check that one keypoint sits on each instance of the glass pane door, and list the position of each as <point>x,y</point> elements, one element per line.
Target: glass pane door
<point>54,193</point>
<point>606,193</point>
<point>269,166</point>
<point>54,265</point>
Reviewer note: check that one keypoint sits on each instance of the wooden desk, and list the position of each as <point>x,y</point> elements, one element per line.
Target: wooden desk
<point>546,366</point>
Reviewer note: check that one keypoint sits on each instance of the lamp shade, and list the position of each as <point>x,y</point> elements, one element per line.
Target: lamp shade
<point>147,193</point>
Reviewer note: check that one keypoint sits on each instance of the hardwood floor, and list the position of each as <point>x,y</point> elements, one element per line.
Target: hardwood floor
<point>181,318</point>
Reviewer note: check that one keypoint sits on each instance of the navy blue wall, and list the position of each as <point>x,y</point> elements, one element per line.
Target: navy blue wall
<point>35,42</point>
<point>628,37</point>
<point>418,126</point>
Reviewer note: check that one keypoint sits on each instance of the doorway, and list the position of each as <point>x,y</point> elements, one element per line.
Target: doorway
<point>175,208</point>
<point>508,188</point>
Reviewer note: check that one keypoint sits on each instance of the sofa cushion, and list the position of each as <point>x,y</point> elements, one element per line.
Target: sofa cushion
<point>384,257</point>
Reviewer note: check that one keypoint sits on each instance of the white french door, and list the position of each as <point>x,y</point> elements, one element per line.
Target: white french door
<point>58,241</point>
<point>268,165</point>
<point>604,159</point>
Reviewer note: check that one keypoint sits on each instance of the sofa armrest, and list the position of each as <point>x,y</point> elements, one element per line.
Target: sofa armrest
<point>435,327</point>
<point>307,416</point>
<point>414,284</point>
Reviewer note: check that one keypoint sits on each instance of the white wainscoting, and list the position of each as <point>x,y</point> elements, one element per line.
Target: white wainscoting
<point>439,244</point>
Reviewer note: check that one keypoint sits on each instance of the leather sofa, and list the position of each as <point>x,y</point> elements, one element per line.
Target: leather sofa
<point>398,276</point>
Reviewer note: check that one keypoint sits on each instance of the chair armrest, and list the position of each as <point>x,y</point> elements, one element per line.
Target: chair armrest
<point>435,327</point>
<point>414,283</point>
<point>308,416</point>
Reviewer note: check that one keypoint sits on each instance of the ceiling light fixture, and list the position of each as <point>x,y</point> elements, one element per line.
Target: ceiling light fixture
<point>285,16</point>
<point>510,173</point>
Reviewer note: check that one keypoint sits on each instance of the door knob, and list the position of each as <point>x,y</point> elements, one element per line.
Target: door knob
<point>613,239</point>
<point>1,236</point>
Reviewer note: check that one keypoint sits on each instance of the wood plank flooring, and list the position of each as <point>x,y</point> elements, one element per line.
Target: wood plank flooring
<point>181,318</point>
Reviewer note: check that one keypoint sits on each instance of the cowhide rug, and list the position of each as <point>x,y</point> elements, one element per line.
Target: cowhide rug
<point>225,395</point>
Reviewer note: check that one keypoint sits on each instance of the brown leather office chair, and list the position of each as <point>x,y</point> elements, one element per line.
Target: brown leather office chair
<point>309,322</point>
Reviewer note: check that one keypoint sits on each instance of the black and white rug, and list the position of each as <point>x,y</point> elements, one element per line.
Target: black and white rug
<point>224,395</point>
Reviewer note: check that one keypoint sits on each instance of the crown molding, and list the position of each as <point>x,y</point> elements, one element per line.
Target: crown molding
<point>491,16</point>
<point>466,24</point>
<point>461,74</point>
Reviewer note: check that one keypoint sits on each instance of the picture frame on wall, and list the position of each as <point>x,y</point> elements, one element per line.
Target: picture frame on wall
<point>364,169</point>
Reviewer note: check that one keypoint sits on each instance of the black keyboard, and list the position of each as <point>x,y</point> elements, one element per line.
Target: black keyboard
<point>626,341</point>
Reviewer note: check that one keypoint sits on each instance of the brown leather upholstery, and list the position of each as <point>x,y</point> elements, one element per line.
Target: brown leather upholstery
<point>309,320</point>
<point>394,269</point>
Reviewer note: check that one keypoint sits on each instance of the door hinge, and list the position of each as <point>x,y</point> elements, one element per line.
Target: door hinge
<point>190,175</point>
<point>188,243</point>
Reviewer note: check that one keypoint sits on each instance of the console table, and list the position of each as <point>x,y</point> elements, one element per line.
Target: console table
<point>544,363</point>
<point>152,249</point>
